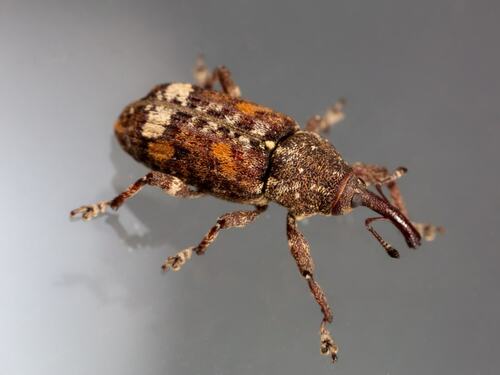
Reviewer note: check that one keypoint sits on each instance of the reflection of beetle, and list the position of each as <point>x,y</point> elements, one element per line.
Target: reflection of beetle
<point>191,136</point>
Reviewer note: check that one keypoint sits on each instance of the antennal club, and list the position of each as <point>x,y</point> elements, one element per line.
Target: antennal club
<point>391,251</point>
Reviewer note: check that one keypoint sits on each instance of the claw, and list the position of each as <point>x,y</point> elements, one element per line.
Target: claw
<point>177,261</point>
<point>328,346</point>
<point>90,211</point>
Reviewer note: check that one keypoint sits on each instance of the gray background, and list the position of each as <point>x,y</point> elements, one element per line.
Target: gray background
<point>423,86</point>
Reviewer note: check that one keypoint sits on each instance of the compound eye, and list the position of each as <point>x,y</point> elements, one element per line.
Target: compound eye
<point>356,200</point>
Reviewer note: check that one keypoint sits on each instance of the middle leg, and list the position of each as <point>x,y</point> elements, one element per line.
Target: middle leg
<point>299,248</point>
<point>237,219</point>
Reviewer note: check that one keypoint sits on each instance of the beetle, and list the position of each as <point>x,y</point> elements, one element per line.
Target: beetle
<point>199,141</point>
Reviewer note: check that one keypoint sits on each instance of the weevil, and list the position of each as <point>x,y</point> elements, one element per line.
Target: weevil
<point>198,141</point>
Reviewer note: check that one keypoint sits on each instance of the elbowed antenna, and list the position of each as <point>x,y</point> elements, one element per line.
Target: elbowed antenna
<point>384,208</point>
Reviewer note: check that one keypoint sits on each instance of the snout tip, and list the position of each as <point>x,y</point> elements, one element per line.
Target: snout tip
<point>413,239</point>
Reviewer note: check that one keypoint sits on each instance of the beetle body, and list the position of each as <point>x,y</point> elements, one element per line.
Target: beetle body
<point>233,149</point>
<point>200,141</point>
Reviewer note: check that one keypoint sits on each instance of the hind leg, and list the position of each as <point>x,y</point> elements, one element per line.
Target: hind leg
<point>378,175</point>
<point>169,184</point>
<point>205,79</point>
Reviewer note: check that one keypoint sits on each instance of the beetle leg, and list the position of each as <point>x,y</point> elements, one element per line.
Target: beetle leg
<point>169,184</point>
<point>333,115</point>
<point>299,248</point>
<point>378,175</point>
<point>222,74</point>
<point>237,219</point>
<point>201,72</point>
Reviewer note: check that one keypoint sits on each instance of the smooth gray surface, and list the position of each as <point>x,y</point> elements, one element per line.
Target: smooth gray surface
<point>422,79</point>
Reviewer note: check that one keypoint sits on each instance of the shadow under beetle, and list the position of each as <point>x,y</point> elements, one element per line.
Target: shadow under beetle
<point>200,141</point>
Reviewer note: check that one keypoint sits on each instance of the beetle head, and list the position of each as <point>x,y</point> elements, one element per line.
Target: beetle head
<point>355,194</point>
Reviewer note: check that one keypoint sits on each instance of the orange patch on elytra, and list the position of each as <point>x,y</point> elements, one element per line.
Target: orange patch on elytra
<point>161,151</point>
<point>250,108</point>
<point>119,129</point>
<point>224,155</point>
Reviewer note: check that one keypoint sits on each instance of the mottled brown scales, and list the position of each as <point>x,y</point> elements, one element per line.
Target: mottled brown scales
<point>220,144</point>
<point>197,141</point>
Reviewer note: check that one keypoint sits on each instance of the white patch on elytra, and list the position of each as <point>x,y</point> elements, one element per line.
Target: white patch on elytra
<point>160,115</point>
<point>179,91</point>
<point>152,131</point>
<point>156,121</point>
<point>270,145</point>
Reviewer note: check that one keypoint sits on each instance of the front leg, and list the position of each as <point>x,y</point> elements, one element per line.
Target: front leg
<point>300,251</point>
<point>237,219</point>
<point>205,79</point>
<point>377,175</point>
<point>169,184</point>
